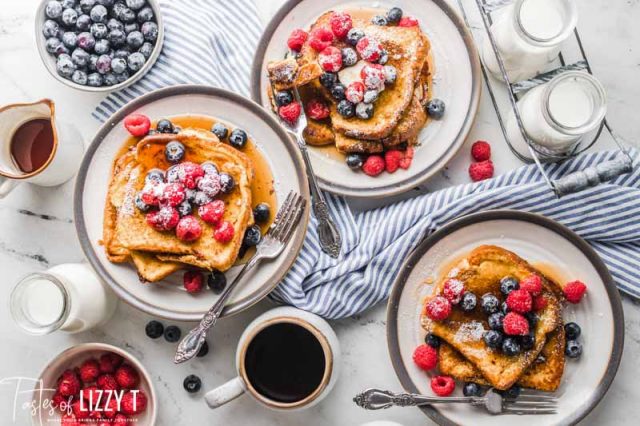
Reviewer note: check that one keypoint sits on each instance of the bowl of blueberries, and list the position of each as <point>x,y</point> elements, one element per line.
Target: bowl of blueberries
<point>99,45</point>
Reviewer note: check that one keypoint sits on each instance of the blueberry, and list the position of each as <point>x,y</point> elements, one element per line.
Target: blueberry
<point>354,35</point>
<point>174,152</point>
<point>65,66</point>
<point>512,393</point>
<point>209,168</point>
<point>172,334</point>
<point>123,77</point>
<point>379,20</point>
<point>226,183</point>
<point>216,281</point>
<point>328,79</point>
<point>117,37</point>
<point>110,79</point>
<point>135,39</point>
<point>283,98</point>
<point>349,56</point>
<point>154,176</point>
<point>69,17</point>
<point>390,74</point>
<point>106,3</point>
<point>118,65</point>
<point>468,302</point>
<point>204,350</point>
<point>103,64</point>
<point>99,30</point>
<point>114,24</point>
<point>192,383</point>
<point>532,318</point>
<point>190,195</point>
<point>220,130</point>
<point>145,14</point>
<point>432,340</point>
<point>573,349</point>
<point>338,91</point>
<point>50,28</point>
<point>394,15</point>
<point>355,161</point>
<point>102,47</point>
<point>528,341</point>
<point>86,41</point>
<point>164,126</point>
<point>52,44</point>
<point>135,4</point>
<point>364,110</point>
<point>492,339</point>
<point>95,80</point>
<point>495,321</point>
<point>53,9</point>
<point>127,15</point>
<point>117,9</point>
<point>83,23</point>
<point>70,39</point>
<point>504,308</point>
<point>490,304</point>
<point>472,389</point>
<point>136,61</point>
<point>435,108</point>
<point>508,284</point>
<point>80,57</point>
<point>79,77</point>
<point>122,53</point>
<point>185,208</point>
<point>87,5</point>
<point>154,329</point>
<point>130,27</point>
<point>346,108</point>
<point>61,50</point>
<point>252,236</point>
<point>261,213</point>
<point>149,31</point>
<point>98,13</point>
<point>238,138</point>
<point>511,347</point>
<point>370,96</point>
<point>572,331</point>
<point>146,49</point>
<point>68,3</point>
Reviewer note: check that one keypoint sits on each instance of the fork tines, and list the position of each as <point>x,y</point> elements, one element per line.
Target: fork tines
<point>287,217</point>
<point>530,403</point>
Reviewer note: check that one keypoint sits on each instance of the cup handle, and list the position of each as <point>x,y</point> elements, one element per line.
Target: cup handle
<point>222,394</point>
<point>6,186</point>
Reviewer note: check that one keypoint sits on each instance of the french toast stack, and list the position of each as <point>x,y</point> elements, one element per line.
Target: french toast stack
<point>399,111</point>
<point>464,354</point>
<point>127,236</point>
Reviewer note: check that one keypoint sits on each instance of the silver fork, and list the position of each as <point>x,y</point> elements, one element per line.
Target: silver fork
<point>330,239</point>
<point>526,403</point>
<point>269,247</point>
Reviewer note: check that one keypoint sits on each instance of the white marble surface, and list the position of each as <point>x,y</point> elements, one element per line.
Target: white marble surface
<point>36,231</point>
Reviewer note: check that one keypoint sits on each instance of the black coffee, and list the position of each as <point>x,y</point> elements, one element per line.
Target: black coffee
<point>285,362</point>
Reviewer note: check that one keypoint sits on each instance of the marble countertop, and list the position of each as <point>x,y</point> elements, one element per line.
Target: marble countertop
<point>37,231</point>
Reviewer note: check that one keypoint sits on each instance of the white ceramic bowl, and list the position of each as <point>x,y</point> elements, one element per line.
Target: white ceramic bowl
<point>49,60</point>
<point>73,357</point>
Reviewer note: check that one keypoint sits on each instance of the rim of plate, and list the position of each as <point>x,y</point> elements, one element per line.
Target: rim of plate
<point>422,248</point>
<point>412,182</point>
<point>180,90</point>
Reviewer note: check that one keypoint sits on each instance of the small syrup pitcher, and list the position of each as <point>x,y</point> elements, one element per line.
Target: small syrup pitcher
<point>36,147</point>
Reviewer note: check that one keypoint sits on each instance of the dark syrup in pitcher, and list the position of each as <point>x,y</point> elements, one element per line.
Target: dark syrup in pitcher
<point>285,363</point>
<point>31,144</point>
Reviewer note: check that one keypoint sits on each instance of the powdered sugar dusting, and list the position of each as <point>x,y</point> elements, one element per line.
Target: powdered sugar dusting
<point>127,208</point>
<point>469,332</point>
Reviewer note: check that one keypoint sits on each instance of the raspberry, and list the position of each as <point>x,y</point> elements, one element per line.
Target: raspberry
<point>212,212</point>
<point>574,291</point>
<point>127,377</point>
<point>373,166</point>
<point>95,416</point>
<point>481,171</point>
<point>69,420</point>
<point>539,303</point>
<point>193,281</point>
<point>405,163</point>
<point>111,408</point>
<point>173,194</point>
<point>355,92</point>
<point>408,21</point>
<point>532,284</point>
<point>481,151</point>
<point>152,193</point>
<point>59,401</point>
<point>164,219</point>
<point>81,412</point>
<point>68,384</point>
<point>104,423</point>
<point>373,76</point>
<point>330,59</point>
<point>224,232</point>
<point>133,402</point>
<point>297,39</point>
<point>392,160</point>
<point>137,124</point>
<point>442,385</point>
<point>120,419</point>
<point>109,362</point>
<point>88,393</point>
<point>515,324</point>
<point>340,24</point>
<point>519,301</point>
<point>369,49</point>
<point>89,370</point>
<point>188,173</point>
<point>438,308</point>
<point>320,38</point>
<point>316,109</point>
<point>290,112</point>
<point>210,184</point>
<point>107,382</point>
<point>188,229</point>
<point>425,357</point>
<point>453,290</point>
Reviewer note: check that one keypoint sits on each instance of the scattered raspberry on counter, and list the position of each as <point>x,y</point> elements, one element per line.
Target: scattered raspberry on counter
<point>481,171</point>
<point>574,291</point>
<point>481,151</point>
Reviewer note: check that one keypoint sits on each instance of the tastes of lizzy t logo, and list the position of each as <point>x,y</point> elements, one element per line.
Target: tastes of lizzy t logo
<point>89,406</point>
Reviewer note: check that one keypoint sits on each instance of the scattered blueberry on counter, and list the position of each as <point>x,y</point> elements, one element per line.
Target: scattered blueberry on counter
<point>192,383</point>
<point>154,329</point>
<point>172,334</point>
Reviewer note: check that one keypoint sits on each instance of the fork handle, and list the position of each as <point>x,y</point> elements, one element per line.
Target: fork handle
<point>190,345</point>
<point>376,399</point>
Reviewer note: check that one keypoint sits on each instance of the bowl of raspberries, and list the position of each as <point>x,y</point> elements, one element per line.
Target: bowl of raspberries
<point>99,45</point>
<point>94,383</point>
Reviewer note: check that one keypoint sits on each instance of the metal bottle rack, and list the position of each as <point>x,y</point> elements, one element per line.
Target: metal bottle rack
<point>573,182</point>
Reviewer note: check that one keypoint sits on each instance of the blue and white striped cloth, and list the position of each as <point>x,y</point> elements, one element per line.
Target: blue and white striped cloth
<point>203,45</point>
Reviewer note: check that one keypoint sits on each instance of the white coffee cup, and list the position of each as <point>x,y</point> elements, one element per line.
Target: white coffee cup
<point>320,329</point>
<point>65,155</point>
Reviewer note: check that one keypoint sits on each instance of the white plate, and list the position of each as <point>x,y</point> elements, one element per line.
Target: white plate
<point>457,82</point>
<point>168,298</point>
<point>538,240</point>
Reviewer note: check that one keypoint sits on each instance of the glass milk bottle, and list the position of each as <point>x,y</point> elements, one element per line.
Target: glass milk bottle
<point>528,35</point>
<point>67,297</point>
<point>556,115</point>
